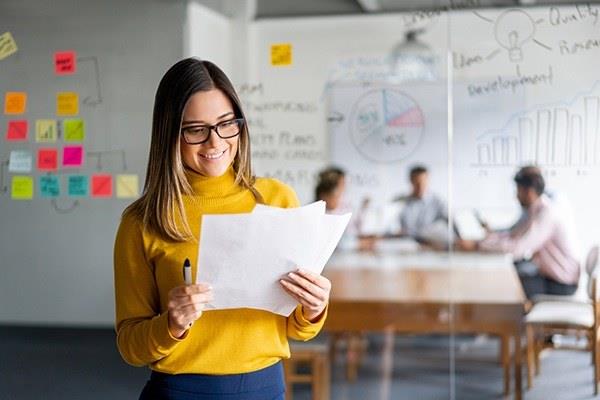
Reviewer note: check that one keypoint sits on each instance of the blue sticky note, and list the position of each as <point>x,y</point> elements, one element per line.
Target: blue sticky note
<point>78,185</point>
<point>49,186</point>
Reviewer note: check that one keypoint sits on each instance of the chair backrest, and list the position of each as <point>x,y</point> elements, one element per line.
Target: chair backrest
<point>592,264</point>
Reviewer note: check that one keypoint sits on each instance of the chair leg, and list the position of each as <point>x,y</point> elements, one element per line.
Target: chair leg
<point>530,355</point>
<point>316,376</point>
<point>325,386</point>
<point>596,353</point>
<point>288,367</point>
<point>537,347</point>
<point>505,360</point>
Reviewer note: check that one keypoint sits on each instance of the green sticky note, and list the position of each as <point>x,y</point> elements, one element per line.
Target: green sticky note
<point>74,130</point>
<point>21,187</point>
<point>78,185</point>
<point>49,186</point>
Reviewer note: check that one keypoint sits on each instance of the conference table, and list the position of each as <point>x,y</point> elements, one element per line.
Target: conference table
<point>429,292</point>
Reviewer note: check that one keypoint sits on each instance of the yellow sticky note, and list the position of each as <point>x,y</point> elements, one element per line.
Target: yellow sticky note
<point>74,130</point>
<point>67,103</point>
<point>127,186</point>
<point>281,54</point>
<point>15,102</point>
<point>8,45</point>
<point>21,187</point>
<point>45,130</point>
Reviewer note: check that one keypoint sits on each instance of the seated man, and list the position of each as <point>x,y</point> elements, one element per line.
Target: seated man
<point>423,211</point>
<point>539,242</point>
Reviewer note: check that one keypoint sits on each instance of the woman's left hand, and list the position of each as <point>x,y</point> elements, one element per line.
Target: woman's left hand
<point>309,289</point>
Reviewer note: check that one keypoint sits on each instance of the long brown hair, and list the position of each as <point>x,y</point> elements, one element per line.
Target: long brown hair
<point>166,182</point>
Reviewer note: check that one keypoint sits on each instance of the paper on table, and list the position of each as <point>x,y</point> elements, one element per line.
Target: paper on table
<point>243,256</point>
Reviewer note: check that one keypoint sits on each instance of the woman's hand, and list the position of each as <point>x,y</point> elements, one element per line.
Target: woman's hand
<point>309,289</point>
<point>185,306</point>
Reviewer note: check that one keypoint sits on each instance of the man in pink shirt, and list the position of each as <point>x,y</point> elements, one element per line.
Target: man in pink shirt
<point>539,242</point>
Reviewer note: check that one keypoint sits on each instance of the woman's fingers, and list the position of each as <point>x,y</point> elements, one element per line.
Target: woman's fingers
<point>308,285</point>
<point>317,279</point>
<point>300,294</point>
<point>188,290</point>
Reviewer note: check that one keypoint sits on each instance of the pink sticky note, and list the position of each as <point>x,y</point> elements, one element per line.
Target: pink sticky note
<point>72,156</point>
<point>65,62</point>
<point>17,130</point>
<point>47,159</point>
<point>102,185</point>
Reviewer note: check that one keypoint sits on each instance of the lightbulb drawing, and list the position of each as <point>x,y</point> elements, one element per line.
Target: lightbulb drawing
<point>513,29</point>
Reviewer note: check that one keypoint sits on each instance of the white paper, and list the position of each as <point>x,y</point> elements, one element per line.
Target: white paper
<point>243,256</point>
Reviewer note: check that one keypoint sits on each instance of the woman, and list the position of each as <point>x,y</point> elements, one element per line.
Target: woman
<point>199,163</point>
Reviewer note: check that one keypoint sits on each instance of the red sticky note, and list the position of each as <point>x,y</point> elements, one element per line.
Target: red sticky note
<point>47,159</point>
<point>65,62</point>
<point>72,156</point>
<point>102,185</point>
<point>17,130</point>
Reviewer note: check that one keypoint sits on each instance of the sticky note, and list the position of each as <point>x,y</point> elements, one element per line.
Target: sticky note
<point>49,186</point>
<point>65,63</point>
<point>281,54</point>
<point>17,130</point>
<point>47,159</point>
<point>45,130</point>
<point>15,103</point>
<point>21,187</point>
<point>8,45</point>
<point>102,185</point>
<point>19,161</point>
<point>127,186</point>
<point>77,185</point>
<point>67,103</point>
<point>74,130</point>
<point>72,156</point>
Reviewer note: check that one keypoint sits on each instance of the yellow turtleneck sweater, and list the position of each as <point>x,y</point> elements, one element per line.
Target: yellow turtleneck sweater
<point>220,342</point>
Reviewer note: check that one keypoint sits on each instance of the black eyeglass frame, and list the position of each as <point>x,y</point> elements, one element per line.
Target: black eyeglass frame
<point>240,122</point>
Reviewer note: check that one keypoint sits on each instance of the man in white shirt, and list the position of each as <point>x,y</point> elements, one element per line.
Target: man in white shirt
<point>541,244</point>
<point>423,210</point>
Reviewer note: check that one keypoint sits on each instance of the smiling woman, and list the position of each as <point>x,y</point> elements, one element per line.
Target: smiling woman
<point>199,164</point>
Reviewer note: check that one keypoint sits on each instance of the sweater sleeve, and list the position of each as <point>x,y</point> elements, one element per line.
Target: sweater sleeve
<point>143,336</point>
<point>299,328</point>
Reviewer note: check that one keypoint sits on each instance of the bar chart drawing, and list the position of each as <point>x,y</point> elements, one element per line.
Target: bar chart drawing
<point>562,135</point>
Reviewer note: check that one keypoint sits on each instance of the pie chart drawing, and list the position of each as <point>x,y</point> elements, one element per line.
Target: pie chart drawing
<point>386,125</point>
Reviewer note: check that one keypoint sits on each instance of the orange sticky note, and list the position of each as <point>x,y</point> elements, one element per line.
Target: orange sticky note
<point>102,185</point>
<point>17,130</point>
<point>67,103</point>
<point>15,103</point>
<point>47,159</point>
<point>65,63</point>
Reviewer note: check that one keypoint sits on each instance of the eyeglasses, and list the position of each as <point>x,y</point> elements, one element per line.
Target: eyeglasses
<point>198,134</point>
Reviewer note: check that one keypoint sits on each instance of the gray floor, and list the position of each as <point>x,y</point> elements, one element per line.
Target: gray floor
<point>44,363</point>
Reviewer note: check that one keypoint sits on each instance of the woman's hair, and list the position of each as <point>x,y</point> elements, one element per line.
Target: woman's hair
<point>329,180</point>
<point>166,182</point>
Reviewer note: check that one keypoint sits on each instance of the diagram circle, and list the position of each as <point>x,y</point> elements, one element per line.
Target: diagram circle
<point>386,125</point>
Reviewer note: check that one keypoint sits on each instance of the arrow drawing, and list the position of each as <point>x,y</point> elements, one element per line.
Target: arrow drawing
<point>335,117</point>
<point>89,101</point>
<point>99,154</point>
<point>3,184</point>
<point>64,210</point>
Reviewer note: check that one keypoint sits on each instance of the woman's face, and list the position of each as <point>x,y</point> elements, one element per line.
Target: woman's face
<point>213,157</point>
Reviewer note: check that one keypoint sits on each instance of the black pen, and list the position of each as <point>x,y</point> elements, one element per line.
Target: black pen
<point>187,272</point>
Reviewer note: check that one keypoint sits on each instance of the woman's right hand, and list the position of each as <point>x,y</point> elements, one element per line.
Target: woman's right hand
<point>185,306</point>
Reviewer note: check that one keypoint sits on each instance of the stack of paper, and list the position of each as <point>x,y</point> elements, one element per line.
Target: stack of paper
<point>243,256</point>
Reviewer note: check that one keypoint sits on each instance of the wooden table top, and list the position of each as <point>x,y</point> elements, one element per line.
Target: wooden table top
<point>425,278</point>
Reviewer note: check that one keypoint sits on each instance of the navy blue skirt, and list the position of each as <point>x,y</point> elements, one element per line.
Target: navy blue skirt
<point>265,384</point>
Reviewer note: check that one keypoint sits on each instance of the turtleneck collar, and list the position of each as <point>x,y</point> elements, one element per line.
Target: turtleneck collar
<point>213,186</point>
